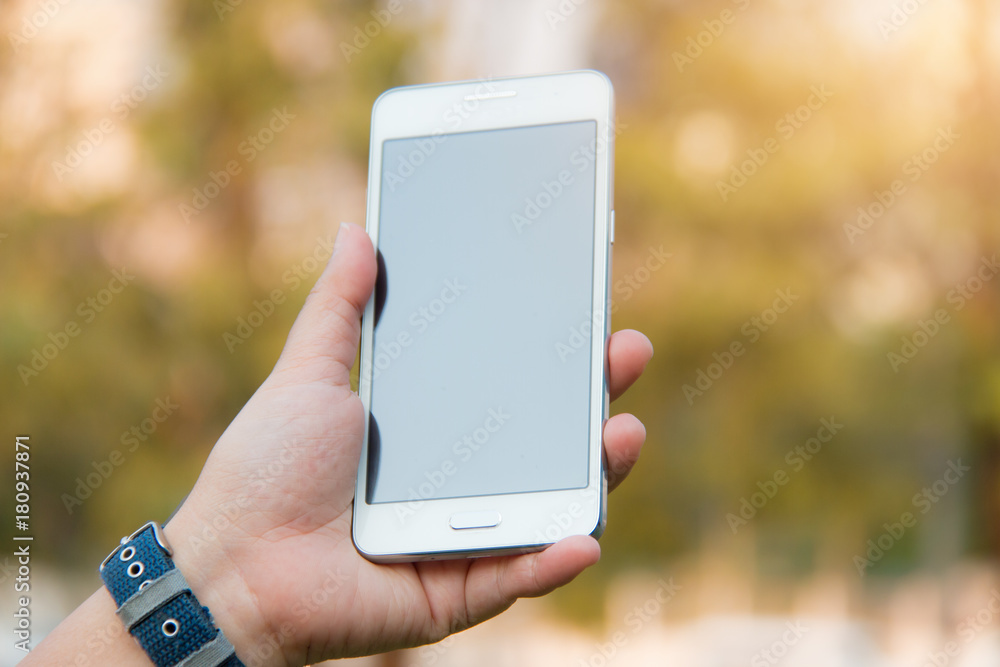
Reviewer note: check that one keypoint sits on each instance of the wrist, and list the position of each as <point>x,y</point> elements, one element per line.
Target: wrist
<point>215,574</point>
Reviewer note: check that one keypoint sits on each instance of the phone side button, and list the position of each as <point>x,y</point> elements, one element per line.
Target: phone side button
<point>612,226</point>
<point>466,520</point>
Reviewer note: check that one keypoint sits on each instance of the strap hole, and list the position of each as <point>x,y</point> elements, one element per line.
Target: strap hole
<point>135,569</point>
<point>170,627</point>
<point>144,584</point>
<point>127,554</point>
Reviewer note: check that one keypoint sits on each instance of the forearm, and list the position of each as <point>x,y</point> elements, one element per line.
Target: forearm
<point>93,634</point>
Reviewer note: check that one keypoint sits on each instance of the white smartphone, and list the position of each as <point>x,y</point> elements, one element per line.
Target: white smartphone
<point>483,365</point>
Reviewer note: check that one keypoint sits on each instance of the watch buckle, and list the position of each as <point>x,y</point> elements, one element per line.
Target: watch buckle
<point>158,534</point>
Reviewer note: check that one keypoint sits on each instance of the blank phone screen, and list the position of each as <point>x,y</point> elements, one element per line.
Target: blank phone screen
<point>481,375</point>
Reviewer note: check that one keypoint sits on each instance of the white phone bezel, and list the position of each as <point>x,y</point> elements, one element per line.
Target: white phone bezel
<point>530,521</point>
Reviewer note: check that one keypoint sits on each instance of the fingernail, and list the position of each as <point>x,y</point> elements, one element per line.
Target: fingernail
<point>340,234</point>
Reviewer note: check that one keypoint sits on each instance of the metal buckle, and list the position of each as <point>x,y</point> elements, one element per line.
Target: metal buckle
<point>161,539</point>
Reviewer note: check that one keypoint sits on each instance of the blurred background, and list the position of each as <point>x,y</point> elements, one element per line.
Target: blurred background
<point>807,228</point>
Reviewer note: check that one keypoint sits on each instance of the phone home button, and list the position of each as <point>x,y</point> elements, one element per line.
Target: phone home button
<point>466,520</point>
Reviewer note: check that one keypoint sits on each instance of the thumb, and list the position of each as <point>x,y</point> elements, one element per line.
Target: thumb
<point>323,341</point>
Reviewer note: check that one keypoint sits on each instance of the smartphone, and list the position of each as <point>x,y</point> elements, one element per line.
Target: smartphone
<point>483,365</point>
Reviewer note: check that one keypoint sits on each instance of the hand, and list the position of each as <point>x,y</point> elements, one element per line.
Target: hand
<point>264,538</point>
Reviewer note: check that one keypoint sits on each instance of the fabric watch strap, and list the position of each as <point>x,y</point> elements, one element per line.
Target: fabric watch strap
<point>157,606</point>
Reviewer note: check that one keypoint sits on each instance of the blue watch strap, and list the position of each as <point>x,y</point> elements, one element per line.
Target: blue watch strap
<point>158,593</point>
<point>157,606</point>
<point>143,557</point>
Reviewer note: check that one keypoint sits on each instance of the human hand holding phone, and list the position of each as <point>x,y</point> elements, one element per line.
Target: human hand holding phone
<point>296,538</point>
<point>264,538</point>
